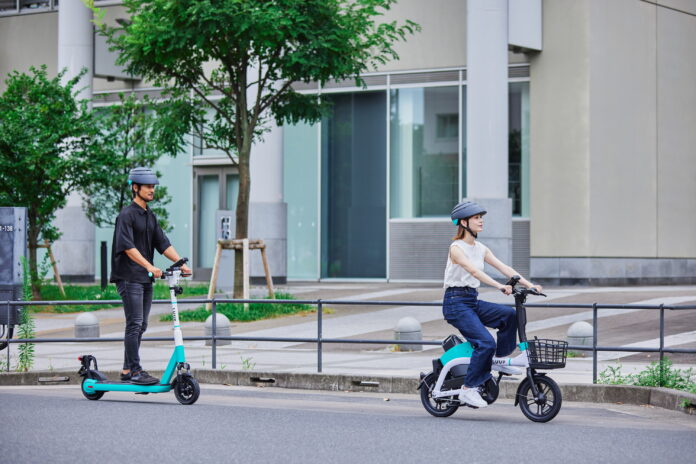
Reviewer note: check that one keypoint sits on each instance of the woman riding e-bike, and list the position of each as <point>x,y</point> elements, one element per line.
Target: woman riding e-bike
<point>462,308</point>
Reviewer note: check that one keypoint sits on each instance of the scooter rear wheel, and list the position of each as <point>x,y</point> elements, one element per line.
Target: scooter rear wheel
<point>90,396</point>
<point>438,407</point>
<point>546,406</point>
<point>186,389</point>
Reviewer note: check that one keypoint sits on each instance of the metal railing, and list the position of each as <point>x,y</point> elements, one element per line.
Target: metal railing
<point>319,340</point>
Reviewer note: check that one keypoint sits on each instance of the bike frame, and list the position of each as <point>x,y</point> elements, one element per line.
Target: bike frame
<point>460,355</point>
<point>178,357</point>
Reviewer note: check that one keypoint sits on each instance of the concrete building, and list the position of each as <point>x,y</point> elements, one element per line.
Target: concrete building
<point>571,120</point>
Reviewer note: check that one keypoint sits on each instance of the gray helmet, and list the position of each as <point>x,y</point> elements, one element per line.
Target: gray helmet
<point>465,210</point>
<point>142,176</point>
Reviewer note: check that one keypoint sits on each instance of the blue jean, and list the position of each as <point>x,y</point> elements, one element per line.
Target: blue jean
<point>137,299</point>
<point>462,309</point>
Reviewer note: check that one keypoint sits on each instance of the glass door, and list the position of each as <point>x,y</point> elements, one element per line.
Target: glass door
<point>354,191</point>
<point>215,189</point>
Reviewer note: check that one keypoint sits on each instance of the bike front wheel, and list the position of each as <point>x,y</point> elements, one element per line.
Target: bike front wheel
<point>544,406</point>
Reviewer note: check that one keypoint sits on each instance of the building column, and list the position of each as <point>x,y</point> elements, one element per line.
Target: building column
<point>76,248</point>
<point>487,120</point>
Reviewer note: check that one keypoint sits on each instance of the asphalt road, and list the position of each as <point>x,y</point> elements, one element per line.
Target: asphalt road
<point>269,425</point>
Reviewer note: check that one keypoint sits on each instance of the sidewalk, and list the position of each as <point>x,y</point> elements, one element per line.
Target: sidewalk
<point>617,328</point>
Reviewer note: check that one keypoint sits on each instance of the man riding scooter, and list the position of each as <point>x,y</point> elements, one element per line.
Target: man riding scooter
<point>136,235</point>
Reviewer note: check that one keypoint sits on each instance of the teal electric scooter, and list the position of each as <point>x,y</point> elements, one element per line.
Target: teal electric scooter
<point>176,377</point>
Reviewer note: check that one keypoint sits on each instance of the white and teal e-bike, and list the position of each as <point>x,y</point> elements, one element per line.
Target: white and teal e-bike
<point>538,396</point>
<point>177,375</point>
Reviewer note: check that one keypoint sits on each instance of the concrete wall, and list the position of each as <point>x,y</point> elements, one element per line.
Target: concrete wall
<point>559,133</point>
<point>622,189</point>
<point>676,132</point>
<point>442,40</point>
<point>613,166</point>
<point>28,40</point>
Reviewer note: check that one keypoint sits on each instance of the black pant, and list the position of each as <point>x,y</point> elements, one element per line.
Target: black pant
<point>137,299</point>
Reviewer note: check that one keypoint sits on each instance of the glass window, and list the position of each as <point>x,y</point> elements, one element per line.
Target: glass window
<point>518,150</point>
<point>424,154</point>
<point>200,146</point>
<point>462,140</point>
<point>208,204</point>
<point>231,192</point>
<point>300,191</point>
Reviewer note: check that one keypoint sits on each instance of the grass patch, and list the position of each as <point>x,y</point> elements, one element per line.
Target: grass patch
<point>655,375</point>
<point>236,312</point>
<point>95,292</point>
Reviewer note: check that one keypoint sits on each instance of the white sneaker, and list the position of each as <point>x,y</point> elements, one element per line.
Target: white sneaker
<point>509,370</point>
<point>472,397</point>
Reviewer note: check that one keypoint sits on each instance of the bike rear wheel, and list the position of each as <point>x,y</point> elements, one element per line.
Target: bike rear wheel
<point>438,407</point>
<point>6,331</point>
<point>545,405</point>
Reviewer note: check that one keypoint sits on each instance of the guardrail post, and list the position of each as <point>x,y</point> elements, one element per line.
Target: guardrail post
<point>594,342</point>
<point>319,334</point>
<point>7,334</point>
<point>662,342</point>
<point>214,342</point>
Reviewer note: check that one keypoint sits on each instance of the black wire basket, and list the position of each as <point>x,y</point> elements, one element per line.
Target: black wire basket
<point>547,354</point>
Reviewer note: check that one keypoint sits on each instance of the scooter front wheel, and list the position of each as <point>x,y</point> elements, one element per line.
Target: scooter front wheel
<point>90,396</point>
<point>438,407</point>
<point>186,389</point>
<point>545,405</point>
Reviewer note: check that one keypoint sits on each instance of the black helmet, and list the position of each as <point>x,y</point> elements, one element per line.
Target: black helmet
<point>142,176</point>
<point>465,210</point>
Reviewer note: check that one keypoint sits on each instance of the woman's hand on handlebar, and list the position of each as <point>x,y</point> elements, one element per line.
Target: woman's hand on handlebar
<point>537,288</point>
<point>506,289</point>
<point>155,272</point>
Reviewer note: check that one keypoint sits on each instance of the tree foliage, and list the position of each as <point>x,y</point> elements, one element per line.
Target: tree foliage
<point>130,133</point>
<point>45,134</point>
<point>241,57</point>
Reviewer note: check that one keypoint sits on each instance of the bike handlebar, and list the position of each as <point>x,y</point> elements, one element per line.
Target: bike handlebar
<point>514,280</point>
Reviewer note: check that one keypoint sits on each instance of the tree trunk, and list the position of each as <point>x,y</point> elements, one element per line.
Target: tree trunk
<point>242,216</point>
<point>33,239</point>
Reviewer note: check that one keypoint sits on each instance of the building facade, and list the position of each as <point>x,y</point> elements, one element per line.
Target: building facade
<point>599,132</point>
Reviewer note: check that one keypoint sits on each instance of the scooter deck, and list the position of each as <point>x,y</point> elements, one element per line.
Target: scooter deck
<point>91,385</point>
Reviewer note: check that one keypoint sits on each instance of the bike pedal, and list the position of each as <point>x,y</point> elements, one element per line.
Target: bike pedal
<point>142,393</point>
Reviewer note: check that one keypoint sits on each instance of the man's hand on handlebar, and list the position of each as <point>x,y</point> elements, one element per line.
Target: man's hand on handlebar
<point>186,271</point>
<point>154,271</point>
<point>506,289</point>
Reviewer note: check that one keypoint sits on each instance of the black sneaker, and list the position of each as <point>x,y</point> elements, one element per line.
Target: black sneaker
<point>143,378</point>
<point>125,377</point>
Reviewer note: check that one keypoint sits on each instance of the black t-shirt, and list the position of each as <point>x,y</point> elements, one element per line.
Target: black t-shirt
<point>135,228</point>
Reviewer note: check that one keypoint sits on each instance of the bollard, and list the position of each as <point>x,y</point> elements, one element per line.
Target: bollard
<point>408,328</point>
<point>86,326</point>
<point>580,333</point>
<point>222,329</point>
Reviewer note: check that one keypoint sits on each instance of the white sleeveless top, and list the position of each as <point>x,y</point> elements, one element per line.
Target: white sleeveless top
<point>456,275</point>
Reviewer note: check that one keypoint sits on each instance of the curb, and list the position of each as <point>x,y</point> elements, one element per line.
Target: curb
<point>665,398</point>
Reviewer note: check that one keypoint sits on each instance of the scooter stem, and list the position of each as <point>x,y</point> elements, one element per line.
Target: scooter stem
<point>173,280</point>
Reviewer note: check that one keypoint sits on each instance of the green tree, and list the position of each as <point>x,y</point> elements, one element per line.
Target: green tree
<point>239,58</point>
<point>45,134</point>
<point>134,132</point>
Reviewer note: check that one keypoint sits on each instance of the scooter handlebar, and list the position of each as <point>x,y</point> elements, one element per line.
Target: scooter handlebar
<point>164,275</point>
